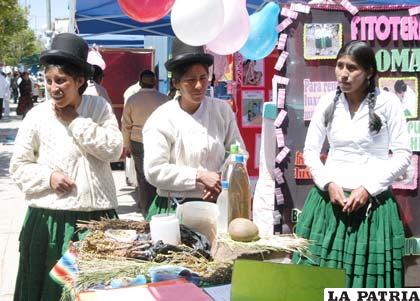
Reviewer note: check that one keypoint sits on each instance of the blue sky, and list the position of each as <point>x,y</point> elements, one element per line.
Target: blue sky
<point>38,12</point>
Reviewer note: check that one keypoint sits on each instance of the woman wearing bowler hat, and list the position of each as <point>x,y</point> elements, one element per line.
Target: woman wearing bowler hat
<point>61,163</point>
<point>187,138</point>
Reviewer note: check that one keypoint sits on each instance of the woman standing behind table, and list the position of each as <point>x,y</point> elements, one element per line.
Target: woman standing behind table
<point>351,214</point>
<point>187,138</point>
<point>61,163</point>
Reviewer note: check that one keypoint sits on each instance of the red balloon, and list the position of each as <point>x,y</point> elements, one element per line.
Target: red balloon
<point>146,10</point>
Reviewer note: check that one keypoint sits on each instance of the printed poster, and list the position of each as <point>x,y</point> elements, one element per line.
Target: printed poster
<point>406,88</point>
<point>252,105</point>
<point>414,135</point>
<point>322,41</point>
<point>252,73</point>
<point>312,92</point>
<point>408,181</point>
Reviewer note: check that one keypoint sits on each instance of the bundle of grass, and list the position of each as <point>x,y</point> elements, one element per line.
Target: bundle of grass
<point>281,246</point>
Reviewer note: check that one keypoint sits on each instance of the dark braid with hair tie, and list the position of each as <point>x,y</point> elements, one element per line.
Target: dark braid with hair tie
<point>329,112</point>
<point>375,122</point>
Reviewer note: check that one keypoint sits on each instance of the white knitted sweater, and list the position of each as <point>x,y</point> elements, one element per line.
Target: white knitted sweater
<point>177,145</point>
<point>44,144</point>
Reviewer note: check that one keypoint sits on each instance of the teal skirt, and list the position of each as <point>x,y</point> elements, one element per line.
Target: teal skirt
<point>162,205</point>
<point>369,246</point>
<point>44,238</point>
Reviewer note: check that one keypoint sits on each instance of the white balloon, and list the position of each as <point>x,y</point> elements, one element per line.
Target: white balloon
<point>197,22</point>
<point>235,29</point>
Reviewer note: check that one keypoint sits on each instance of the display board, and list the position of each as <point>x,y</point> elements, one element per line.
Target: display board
<point>253,88</point>
<point>313,41</point>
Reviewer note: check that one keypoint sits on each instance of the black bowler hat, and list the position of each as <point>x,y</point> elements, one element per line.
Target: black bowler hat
<point>67,47</point>
<point>187,54</point>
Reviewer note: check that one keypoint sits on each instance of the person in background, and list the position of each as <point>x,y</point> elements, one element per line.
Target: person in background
<point>61,161</point>
<point>14,86</point>
<point>95,83</point>
<point>6,103</point>
<point>4,94</point>
<point>35,92</point>
<point>186,139</point>
<point>25,91</point>
<point>407,97</point>
<point>135,114</point>
<point>351,216</point>
<point>130,173</point>
<point>133,89</point>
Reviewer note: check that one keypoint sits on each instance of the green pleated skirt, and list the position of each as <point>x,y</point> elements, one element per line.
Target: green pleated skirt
<point>369,246</point>
<point>162,205</point>
<point>44,238</point>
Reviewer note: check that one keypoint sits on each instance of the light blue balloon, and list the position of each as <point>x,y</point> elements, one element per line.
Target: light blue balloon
<point>263,34</point>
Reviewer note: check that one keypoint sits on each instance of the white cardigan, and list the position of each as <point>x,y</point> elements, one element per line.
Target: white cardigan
<point>44,144</point>
<point>357,156</point>
<point>177,144</point>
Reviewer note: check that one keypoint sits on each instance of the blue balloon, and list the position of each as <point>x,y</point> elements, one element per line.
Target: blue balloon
<point>263,34</point>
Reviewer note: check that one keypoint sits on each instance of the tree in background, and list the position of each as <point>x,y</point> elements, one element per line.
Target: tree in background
<point>17,40</point>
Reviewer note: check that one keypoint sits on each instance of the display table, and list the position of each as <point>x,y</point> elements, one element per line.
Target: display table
<point>101,266</point>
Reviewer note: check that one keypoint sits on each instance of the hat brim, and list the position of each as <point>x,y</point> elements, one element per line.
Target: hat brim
<point>189,58</point>
<point>50,56</point>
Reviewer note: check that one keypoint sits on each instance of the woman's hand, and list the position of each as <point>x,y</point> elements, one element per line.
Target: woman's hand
<point>357,199</point>
<point>336,194</point>
<point>66,114</point>
<point>61,183</point>
<point>210,195</point>
<point>211,181</point>
<point>126,153</point>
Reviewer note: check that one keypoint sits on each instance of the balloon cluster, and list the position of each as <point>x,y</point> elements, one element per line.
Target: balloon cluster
<point>224,26</point>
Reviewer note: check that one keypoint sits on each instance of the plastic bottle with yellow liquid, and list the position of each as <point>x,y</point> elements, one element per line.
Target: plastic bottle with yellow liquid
<point>239,192</point>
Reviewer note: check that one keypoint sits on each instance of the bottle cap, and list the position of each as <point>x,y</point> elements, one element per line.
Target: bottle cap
<point>239,158</point>
<point>225,184</point>
<point>234,149</point>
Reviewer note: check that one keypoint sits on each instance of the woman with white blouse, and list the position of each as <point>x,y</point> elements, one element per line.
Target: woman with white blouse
<point>61,162</point>
<point>351,215</point>
<point>187,138</point>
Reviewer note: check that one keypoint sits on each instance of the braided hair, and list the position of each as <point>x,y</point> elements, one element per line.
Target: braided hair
<point>364,56</point>
<point>329,112</point>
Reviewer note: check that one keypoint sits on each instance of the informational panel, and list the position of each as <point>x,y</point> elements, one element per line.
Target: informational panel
<point>395,37</point>
<point>253,88</point>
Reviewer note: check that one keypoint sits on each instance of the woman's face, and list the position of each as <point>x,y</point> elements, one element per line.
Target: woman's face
<point>351,76</point>
<point>193,85</point>
<point>63,89</point>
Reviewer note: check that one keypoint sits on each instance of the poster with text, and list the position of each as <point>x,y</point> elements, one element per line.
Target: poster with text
<point>414,135</point>
<point>252,105</point>
<point>312,92</point>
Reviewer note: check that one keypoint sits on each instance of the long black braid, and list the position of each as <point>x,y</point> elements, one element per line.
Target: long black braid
<point>329,112</point>
<point>375,122</point>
